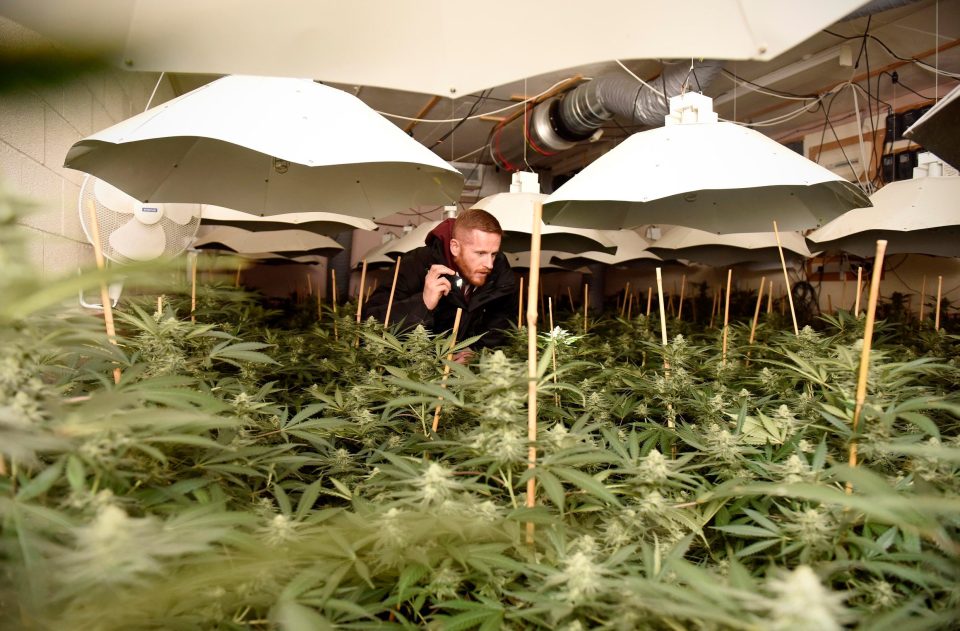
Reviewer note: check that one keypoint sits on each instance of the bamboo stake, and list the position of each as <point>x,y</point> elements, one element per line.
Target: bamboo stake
<point>713,307</point>
<point>626,296</point>
<point>309,285</point>
<point>726,320</point>
<point>923,297</point>
<point>770,299</point>
<point>570,296</point>
<point>630,307</point>
<point>532,361</point>
<point>663,311</point>
<point>649,299</point>
<point>663,337</point>
<point>104,292</point>
<point>333,300</point>
<point>520,307</point>
<point>865,353</point>
<point>586,305</point>
<point>319,307</point>
<point>446,367</point>
<point>843,289</point>
<point>363,282</point>
<point>193,286</point>
<point>786,280</point>
<point>756,310</point>
<point>856,308</point>
<point>671,307</point>
<point>159,304</point>
<point>236,281</point>
<point>936,319</point>
<point>543,305</point>
<point>683,286</point>
<point>550,304</point>
<point>393,289</point>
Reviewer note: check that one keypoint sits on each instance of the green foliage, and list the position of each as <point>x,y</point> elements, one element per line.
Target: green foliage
<point>248,472</point>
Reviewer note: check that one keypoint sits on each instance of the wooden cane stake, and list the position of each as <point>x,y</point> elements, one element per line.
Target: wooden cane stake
<point>726,319</point>
<point>856,307</point>
<point>786,280</point>
<point>586,305</point>
<point>923,297</point>
<point>663,336</point>
<point>520,307</point>
<point>683,286</point>
<point>626,294</point>
<point>865,353</point>
<point>843,288</point>
<point>936,318</point>
<point>543,304</point>
<point>309,285</point>
<point>573,307</point>
<point>770,298</point>
<point>756,310</point>
<point>446,367</point>
<point>663,311</point>
<point>713,307</point>
<point>363,282</point>
<point>649,299</point>
<point>630,307</point>
<point>236,281</point>
<point>393,289</point>
<point>104,292</point>
<point>532,362</point>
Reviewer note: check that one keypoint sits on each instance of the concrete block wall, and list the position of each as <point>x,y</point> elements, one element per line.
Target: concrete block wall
<point>38,124</point>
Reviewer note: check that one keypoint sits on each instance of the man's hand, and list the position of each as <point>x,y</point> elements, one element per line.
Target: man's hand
<point>463,357</point>
<point>435,285</point>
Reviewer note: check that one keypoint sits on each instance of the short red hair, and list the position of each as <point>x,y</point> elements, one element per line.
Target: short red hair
<point>476,219</point>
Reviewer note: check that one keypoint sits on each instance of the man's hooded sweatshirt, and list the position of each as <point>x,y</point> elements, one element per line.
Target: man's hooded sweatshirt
<point>487,309</point>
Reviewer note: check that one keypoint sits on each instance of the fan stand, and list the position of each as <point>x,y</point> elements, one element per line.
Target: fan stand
<point>104,292</point>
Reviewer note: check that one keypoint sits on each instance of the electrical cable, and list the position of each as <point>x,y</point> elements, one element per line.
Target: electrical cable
<point>475,116</point>
<point>756,87</point>
<point>473,109</point>
<point>630,72</point>
<point>896,80</point>
<point>873,127</point>
<point>919,62</point>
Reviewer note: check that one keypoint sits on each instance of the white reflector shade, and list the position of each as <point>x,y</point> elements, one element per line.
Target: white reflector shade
<point>919,216</point>
<point>268,146</point>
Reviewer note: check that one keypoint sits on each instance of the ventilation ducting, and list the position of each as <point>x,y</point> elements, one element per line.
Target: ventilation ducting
<point>561,122</point>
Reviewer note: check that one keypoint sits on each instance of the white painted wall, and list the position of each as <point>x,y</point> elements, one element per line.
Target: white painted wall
<point>38,124</point>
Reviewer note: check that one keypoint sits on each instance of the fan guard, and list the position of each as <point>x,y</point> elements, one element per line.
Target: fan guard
<point>124,237</point>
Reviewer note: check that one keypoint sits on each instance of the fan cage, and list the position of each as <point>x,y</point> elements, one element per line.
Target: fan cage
<point>178,237</point>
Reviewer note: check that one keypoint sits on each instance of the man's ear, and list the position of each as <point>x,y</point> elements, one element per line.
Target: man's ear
<point>454,247</point>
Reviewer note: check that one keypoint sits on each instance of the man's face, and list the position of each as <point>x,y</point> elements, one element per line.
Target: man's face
<point>474,252</point>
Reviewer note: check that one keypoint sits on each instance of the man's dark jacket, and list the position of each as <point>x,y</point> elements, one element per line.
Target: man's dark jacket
<point>489,309</point>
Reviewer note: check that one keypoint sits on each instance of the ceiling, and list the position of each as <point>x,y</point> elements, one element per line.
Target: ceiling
<point>811,69</point>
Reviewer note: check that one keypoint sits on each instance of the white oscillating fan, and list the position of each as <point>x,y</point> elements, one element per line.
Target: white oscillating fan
<point>133,231</point>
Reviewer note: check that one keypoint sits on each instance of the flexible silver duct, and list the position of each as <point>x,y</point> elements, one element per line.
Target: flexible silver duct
<point>561,122</point>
